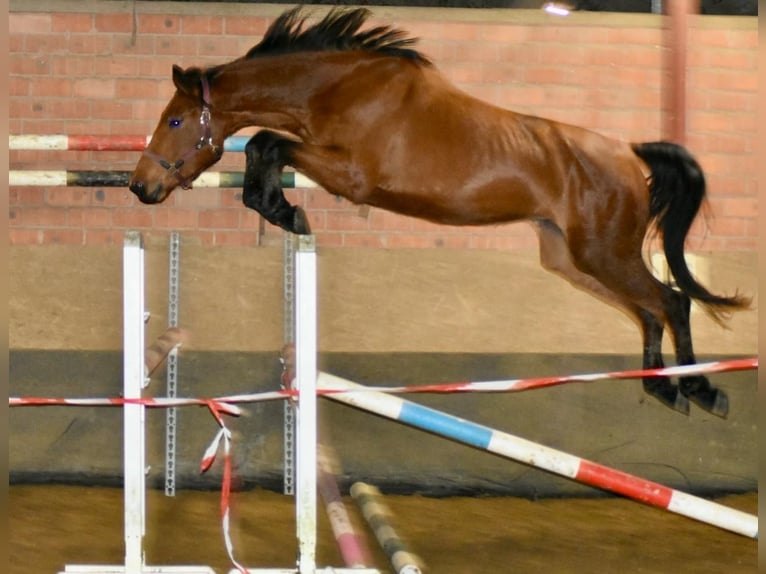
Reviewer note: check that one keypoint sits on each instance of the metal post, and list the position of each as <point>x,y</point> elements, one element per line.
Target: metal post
<point>171,416</point>
<point>288,455</point>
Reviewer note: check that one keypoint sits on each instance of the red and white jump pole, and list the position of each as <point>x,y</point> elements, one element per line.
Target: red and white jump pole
<point>539,456</point>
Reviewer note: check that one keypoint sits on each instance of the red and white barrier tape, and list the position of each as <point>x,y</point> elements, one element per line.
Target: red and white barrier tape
<point>228,404</point>
<point>224,434</point>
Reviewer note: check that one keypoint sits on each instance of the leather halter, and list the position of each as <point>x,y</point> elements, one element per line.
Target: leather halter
<point>205,140</point>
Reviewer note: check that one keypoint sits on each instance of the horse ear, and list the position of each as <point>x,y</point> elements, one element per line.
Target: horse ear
<point>187,81</point>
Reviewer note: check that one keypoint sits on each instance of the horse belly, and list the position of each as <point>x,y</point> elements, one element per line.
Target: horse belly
<point>451,204</point>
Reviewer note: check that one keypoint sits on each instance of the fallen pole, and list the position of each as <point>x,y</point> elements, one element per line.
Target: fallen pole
<point>351,548</point>
<point>540,456</point>
<point>377,515</point>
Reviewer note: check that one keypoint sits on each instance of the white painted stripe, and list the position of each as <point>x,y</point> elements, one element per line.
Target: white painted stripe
<point>714,513</point>
<point>41,178</point>
<point>386,405</point>
<point>301,181</point>
<point>208,179</point>
<point>38,142</point>
<point>534,454</point>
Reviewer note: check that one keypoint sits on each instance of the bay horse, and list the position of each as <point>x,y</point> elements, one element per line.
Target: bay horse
<point>369,118</point>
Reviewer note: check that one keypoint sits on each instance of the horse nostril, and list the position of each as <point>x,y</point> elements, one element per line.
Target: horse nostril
<point>137,187</point>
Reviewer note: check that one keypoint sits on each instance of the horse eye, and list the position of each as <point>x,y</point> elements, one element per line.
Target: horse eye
<point>175,122</point>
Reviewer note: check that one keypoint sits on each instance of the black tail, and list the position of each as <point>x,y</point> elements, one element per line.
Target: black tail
<point>677,189</point>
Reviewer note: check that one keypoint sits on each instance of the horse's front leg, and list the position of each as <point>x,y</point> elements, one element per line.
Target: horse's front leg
<point>266,154</point>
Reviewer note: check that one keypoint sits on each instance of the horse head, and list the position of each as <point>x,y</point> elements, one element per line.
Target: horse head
<point>186,141</point>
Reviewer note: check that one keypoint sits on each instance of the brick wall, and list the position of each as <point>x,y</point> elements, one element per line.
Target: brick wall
<point>83,68</point>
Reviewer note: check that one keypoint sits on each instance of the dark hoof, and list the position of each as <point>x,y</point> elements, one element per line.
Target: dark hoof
<point>699,391</point>
<point>668,394</point>
<point>300,222</point>
<point>713,401</point>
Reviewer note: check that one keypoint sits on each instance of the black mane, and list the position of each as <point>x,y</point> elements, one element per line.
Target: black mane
<point>337,31</point>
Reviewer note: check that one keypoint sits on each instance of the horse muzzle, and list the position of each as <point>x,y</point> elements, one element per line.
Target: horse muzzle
<point>146,195</point>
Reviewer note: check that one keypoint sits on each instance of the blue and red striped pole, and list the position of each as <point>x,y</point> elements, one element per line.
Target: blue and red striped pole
<point>539,456</point>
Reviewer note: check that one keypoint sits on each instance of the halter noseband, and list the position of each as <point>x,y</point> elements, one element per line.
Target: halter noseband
<point>205,140</point>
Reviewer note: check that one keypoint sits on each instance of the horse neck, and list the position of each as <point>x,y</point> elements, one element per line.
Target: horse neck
<point>271,91</point>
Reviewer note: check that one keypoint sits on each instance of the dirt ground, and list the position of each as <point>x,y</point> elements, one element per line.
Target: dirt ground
<point>51,526</point>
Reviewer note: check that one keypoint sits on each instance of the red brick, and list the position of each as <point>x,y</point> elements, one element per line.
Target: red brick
<point>68,196</point>
<point>63,236</point>
<point>43,126</point>
<point>236,238</point>
<point>28,65</point>
<point>71,65</point>
<point>103,237</point>
<point>546,74</point>
<point>24,196</point>
<point>46,44</point>
<point>136,88</point>
<point>472,52</point>
<point>115,65</point>
<point>114,22</point>
<point>722,58</point>
<point>129,46</point>
<point>94,88</point>
<point>730,80</point>
<point>175,218</point>
<point>90,44</point>
<point>139,218</point>
<point>193,25</point>
<point>113,197</point>
<point>111,110</point>
<point>25,236</point>
<point>18,87</point>
<point>217,49</point>
<point>329,239</point>
<point>30,23</point>
<point>89,217</point>
<point>247,26</point>
<point>185,49</point>
<point>68,23</point>
<point>159,24</point>
<point>41,217</point>
<point>63,108</point>
<point>373,240</point>
<point>145,110</point>
<point>341,220</point>
<point>219,219</point>
<point>249,219</point>
<point>387,221</point>
<point>198,198</point>
<point>738,207</point>
<point>624,35</point>
<point>15,42</point>
<point>158,67</point>
<point>460,31</point>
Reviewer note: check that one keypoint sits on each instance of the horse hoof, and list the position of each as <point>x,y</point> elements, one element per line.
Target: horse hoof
<point>715,401</point>
<point>678,402</point>
<point>667,393</point>
<point>300,222</point>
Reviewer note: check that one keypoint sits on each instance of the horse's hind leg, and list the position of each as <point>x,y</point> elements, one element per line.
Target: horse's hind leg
<point>660,388</point>
<point>696,387</point>
<point>555,256</point>
<point>266,154</point>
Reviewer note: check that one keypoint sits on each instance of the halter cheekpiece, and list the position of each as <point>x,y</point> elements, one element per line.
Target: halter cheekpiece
<point>205,140</point>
